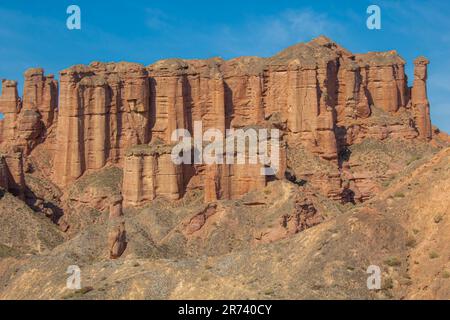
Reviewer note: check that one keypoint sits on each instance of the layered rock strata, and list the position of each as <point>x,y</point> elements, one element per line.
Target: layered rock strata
<point>322,97</point>
<point>150,172</point>
<point>12,176</point>
<point>419,100</point>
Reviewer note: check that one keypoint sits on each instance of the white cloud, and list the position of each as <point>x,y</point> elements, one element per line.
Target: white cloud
<point>265,35</point>
<point>156,19</point>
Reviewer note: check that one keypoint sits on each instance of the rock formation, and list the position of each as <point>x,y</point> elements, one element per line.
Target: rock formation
<point>149,172</point>
<point>419,100</point>
<point>40,94</point>
<point>322,97</point>
<point>104,109</point>
<point>384,73</point>
<point>12,177</point>
<point>4,180</point>
<point>117,242</point>
<point>9,107</point>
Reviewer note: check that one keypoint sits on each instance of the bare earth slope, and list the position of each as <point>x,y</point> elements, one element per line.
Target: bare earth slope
<point>403,230</point>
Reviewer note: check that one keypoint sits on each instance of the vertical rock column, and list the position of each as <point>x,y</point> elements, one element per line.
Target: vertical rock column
<point>217,182</point>
<point>168,109</point>
<point>303,105</point>
<point>4,183</point>
<point>40,93</point>
<point>232,181</point>
<point>386,80</point>
<point>68,165</point>
<point>150,172</point>
<point>9,107</point>
<point>352,101</point>
<point>117,240</point>
<point>310,115</point>
<point>325,137</point>
<point>217,176</point>
<point>419,99</point>
<point>93,92</point>
<point>136,92</point>
<point>175,106</point>
<point>16,176</point>
<point>248,176</point>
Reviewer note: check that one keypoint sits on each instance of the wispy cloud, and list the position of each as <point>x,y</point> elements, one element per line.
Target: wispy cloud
<point>156,19</point>
<point>256,35</point>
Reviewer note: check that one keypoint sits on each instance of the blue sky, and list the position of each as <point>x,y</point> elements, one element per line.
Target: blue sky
<point>34,33</point>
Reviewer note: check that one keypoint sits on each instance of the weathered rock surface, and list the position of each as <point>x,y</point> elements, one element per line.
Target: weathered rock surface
<point>10,107</point>
<point>150,172</point>
<point>363,179</point>
<point>419,100</point>
<point>117,239</point>
<point>12,174</point>
<point>321,96</point>
<point>40,94</point>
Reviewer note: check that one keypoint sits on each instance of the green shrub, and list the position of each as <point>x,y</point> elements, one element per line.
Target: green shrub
<point>392,262</point>
<point>388,284</point>
<point>438,218</point>
<point>433,255</point>
<point>411,243</point>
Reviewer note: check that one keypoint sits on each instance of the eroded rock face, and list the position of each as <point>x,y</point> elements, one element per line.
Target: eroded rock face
<point>25,122</point>
<point>104,109</point>
<point>4,180</point>
<point>302,216</point>
<point>150,172</point>
<point>321,96</point>
<point>384,75</point>
<point>40,94</point>
<point>12,176</point>
<point>117,239</point>
<point>10,107</point>
<point>419,100</point>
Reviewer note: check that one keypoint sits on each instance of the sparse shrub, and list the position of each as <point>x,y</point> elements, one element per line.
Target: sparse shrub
<point>269,292</point>
<point>411,243</point>
<point>438,218</point>
<point>388,284</point>
<point>433,255</point>
<point>85,290</point>
<point>392,262</point>
<point>408,282</point>
<point>445,274</point>
<point>413,159</point>
<point>399,195</point>
<point>386,183</point>
<point>204,278</point>
<point>78,293</point>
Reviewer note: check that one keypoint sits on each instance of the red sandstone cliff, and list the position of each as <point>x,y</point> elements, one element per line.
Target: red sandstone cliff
<point>319,94</point>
